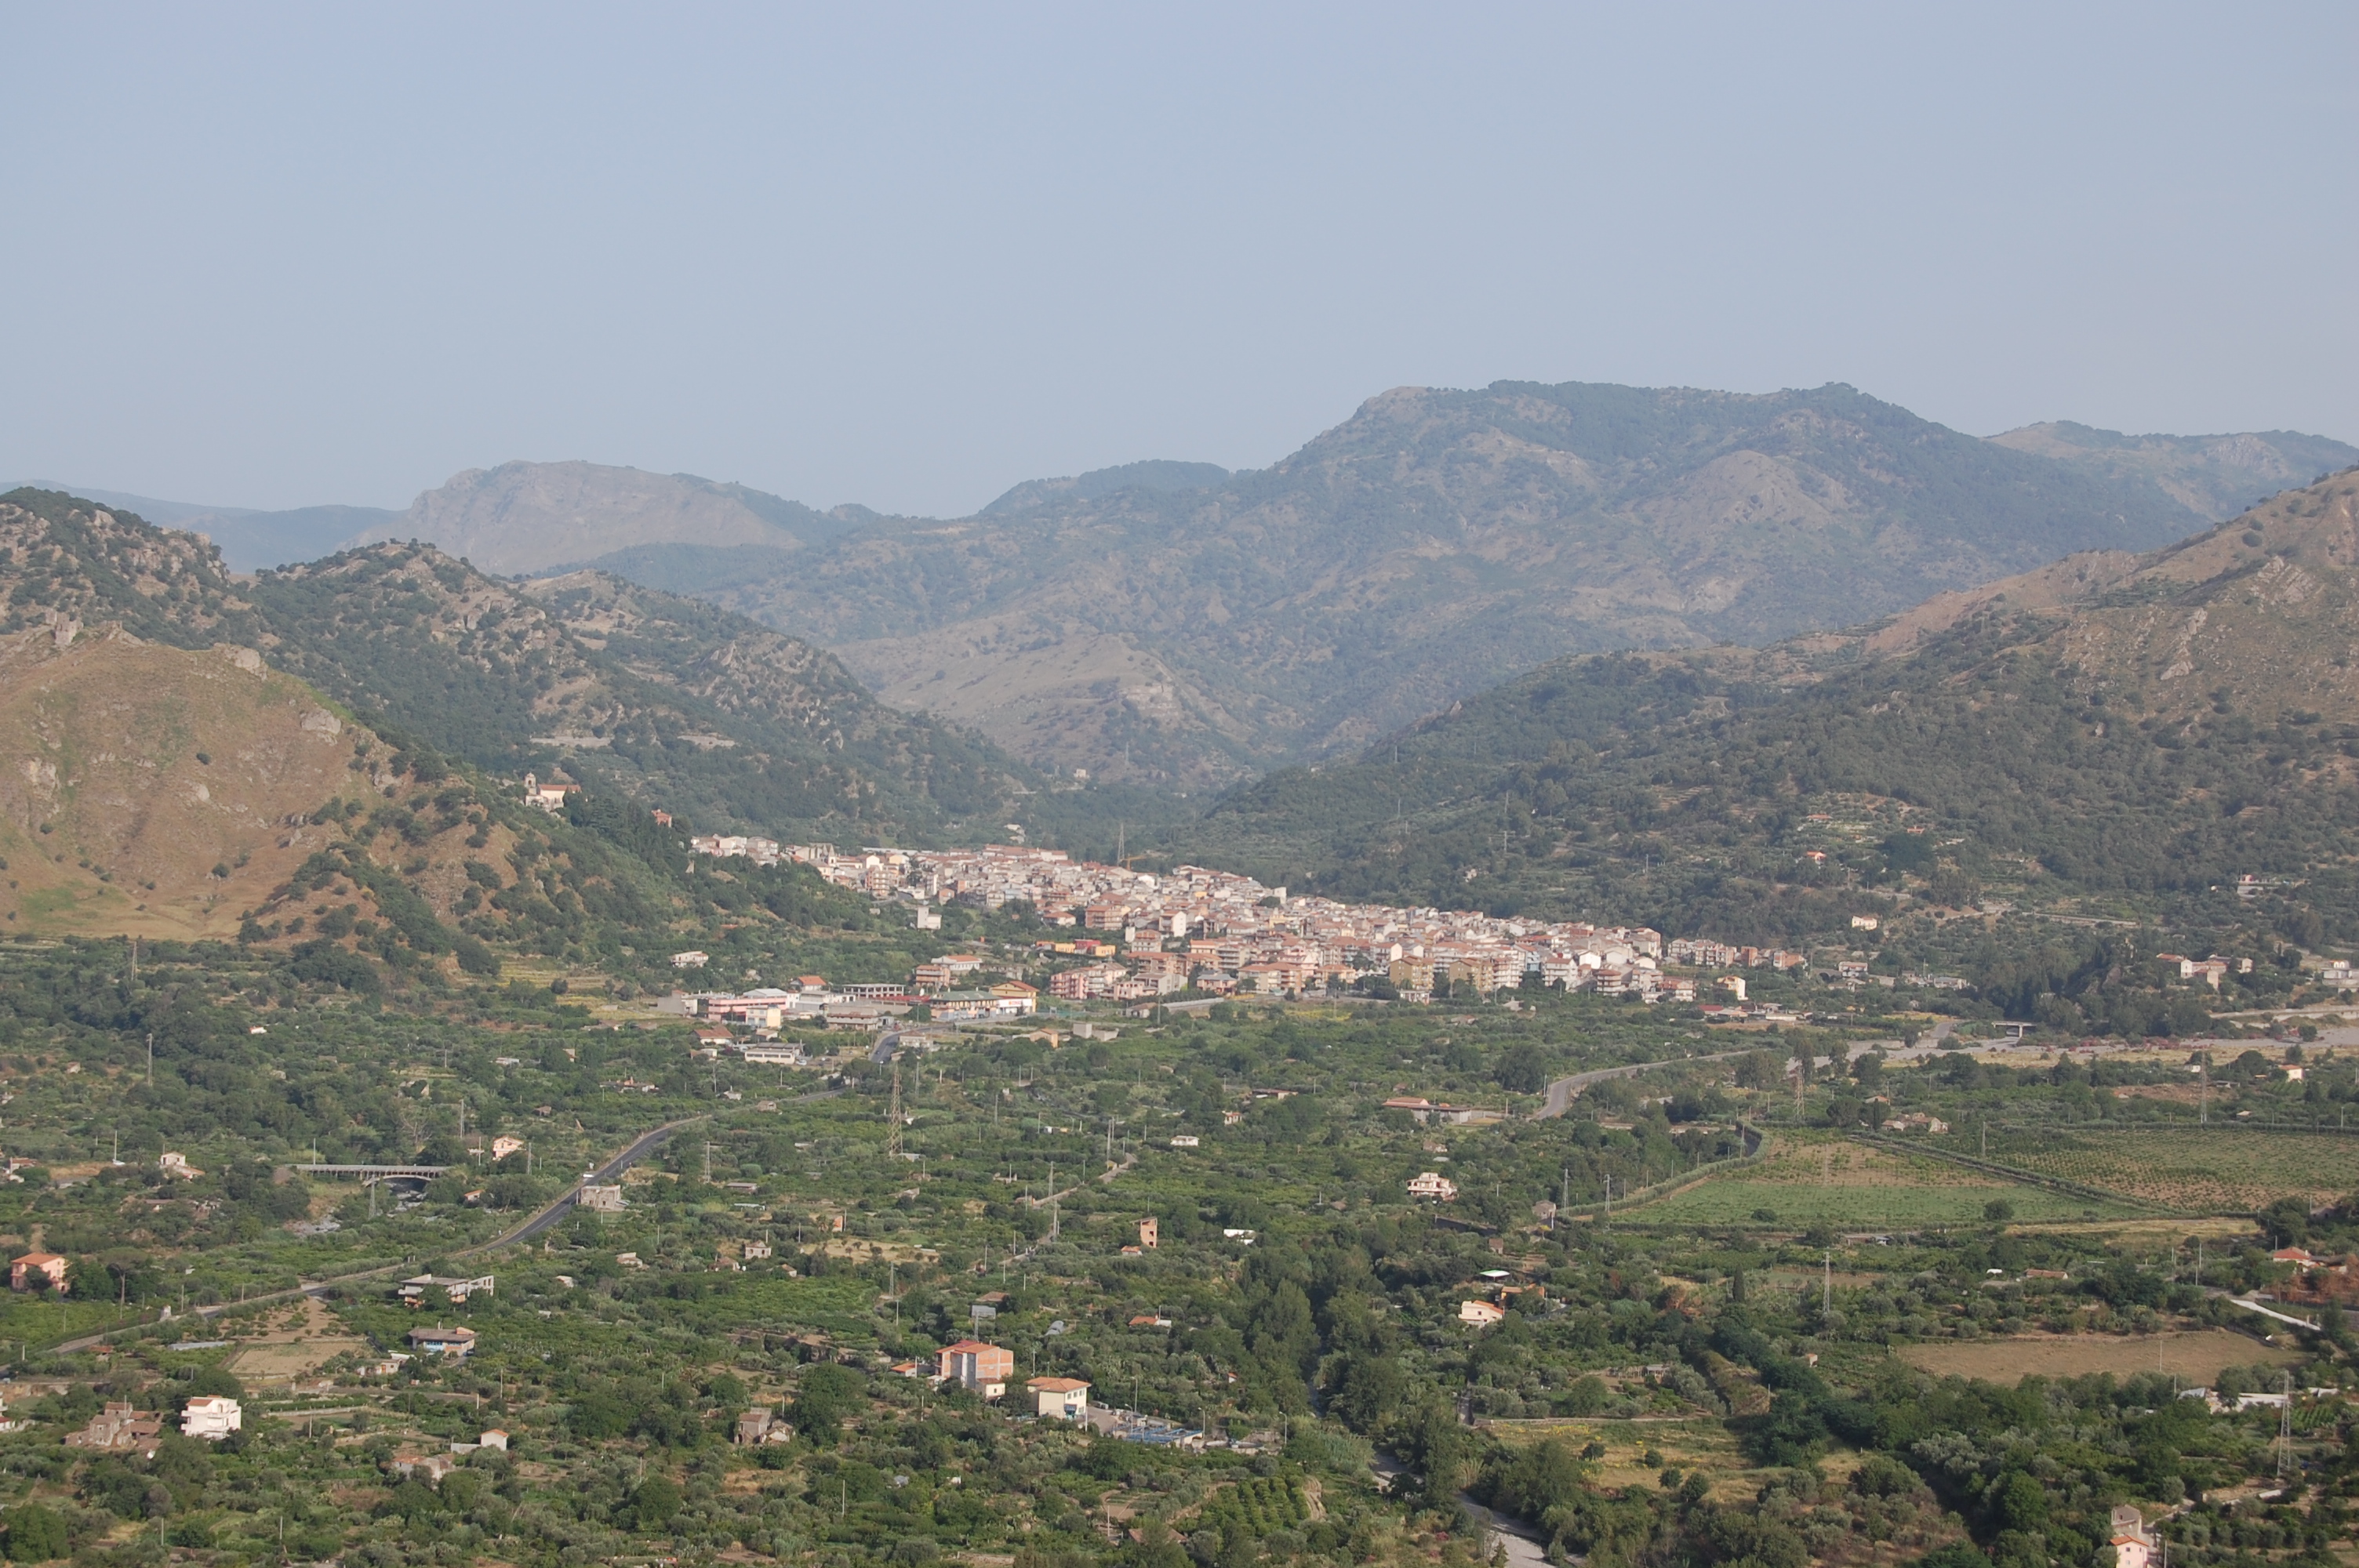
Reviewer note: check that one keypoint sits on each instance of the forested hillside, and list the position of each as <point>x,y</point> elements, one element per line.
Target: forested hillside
<point>2189,719</point>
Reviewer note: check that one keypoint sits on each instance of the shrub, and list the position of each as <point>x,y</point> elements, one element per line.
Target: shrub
<point>36,1534</point>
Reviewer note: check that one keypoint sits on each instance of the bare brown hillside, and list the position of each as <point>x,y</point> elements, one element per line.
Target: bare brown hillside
<point>154,790</point>
<point>2259,615</point>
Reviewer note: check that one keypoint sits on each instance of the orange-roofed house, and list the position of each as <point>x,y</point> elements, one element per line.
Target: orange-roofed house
<point>47,1264</point>
<point>985,1368</point>
<point>1064,1398</point>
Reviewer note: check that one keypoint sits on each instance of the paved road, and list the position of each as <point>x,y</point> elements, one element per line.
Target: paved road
<point>640,1147</point>
<point>2265,1312</point>
<point>1560,1093</point>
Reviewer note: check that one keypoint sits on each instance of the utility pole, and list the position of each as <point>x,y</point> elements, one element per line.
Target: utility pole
<point>1827,1285</point>
<point>151,1061</point>
<point>893,1131</point>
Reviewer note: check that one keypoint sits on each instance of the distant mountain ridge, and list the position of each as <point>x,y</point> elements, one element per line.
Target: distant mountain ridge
<point>530,517</point>
<point>249,539</point>
<point>2217,476</point>
<point>1177,626</point>
<point>1435,542</point>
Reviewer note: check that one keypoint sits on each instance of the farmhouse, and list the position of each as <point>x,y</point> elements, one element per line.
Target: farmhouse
<point>48,1265</point>
<point>120,1426</point>
<point>758,1426</point>
<point>211,1417</point>
<point>1063,1399</point>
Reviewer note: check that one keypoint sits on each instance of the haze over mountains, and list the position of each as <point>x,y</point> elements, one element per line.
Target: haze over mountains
<point>2111,733</point>
<point>1173,624</point>
<point>1179,626</point>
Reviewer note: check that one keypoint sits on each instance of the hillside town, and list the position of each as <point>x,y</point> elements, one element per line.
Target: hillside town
<point>1140,936</point>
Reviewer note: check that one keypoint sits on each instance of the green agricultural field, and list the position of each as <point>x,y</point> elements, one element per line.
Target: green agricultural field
<point>2232,1170</point>
<point>1825,1179</point>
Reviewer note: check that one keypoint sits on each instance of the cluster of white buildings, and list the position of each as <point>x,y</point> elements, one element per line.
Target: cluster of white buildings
<point>1219,932</point>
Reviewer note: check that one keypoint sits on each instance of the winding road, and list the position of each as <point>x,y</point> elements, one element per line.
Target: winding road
<point>1560,1093</point>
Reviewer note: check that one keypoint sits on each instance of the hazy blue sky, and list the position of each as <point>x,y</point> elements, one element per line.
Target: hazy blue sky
<point>275,256</point>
